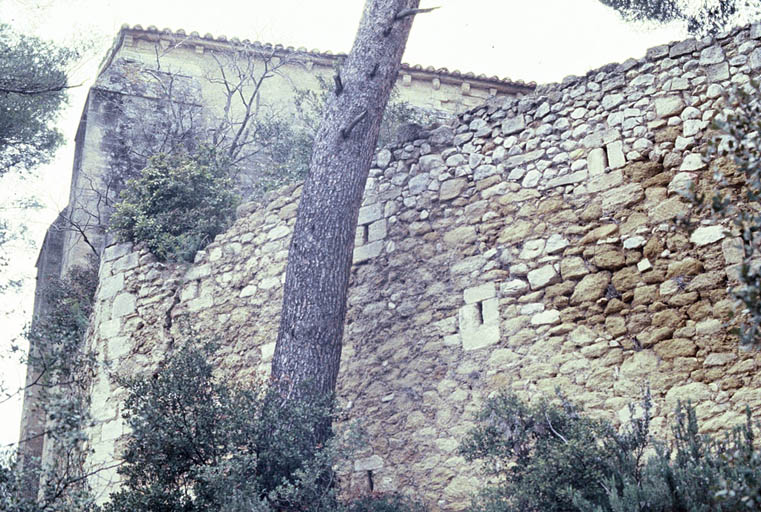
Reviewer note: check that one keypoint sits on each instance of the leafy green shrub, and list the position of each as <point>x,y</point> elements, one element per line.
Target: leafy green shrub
<point>199,444</point>
<point>548,457</point>
<point>177,205</point>
<point>392,502</point>
<point>59,367</point>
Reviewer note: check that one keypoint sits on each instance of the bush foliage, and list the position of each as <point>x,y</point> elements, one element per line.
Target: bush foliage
<point>177,205</point>
<point>549,457</point>
<point>199,444</point>
<point>60,367</point>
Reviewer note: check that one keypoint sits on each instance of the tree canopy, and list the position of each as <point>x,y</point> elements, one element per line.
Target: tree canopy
<point>33,86</point>
<point>702,16</point>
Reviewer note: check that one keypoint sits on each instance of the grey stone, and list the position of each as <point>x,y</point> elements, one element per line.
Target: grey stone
<point>124,304</point>
<point>513,288</point>
<point>368,251</point>
<point>543,276</point>
<point>692,162</point>
<point>532,249</point>
<point>669,106</point>
<point>717,72</point>
<point>479,293</point>
<point>605,181</point>
<point>383,158</point>
<point>452,188</point>
<point>513,125</point>
<point>706,235</point>
<point>376,230</point>
<point>616,158</point>
<point>683,48</point>
<point>615,199</point>
<point>568,179</point>
<point>110,286</point>
<point>372,463</point>
<point>555,244</point>
<point>418,184</point>
<point>113,252</point>
<point>484,171</point>
<point>755,31</point>
<point>657,52</point>
<point>532,179</point>
<point>682,183</point>
<point>755,59</point>
<point>549,317</point>
<point>711,55</point>
<point>611,101</point>
<point>369,213</point>
<point>442,136</point>
<point>531,156</point>
<point>428,163</point>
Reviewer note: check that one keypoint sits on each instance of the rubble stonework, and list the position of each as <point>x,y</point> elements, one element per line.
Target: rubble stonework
<point>531,246</point>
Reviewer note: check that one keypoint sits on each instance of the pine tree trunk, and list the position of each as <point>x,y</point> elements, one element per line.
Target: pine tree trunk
<point>308,350</point>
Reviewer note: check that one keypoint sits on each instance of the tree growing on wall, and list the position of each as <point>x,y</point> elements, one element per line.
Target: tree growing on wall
<point>702,17</point>
<point>308,350</point>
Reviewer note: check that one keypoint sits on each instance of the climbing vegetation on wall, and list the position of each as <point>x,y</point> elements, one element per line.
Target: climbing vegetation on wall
<point>178,204</point>
<point>59,368</point>
<point>550,457</point>
<point>735,194</point>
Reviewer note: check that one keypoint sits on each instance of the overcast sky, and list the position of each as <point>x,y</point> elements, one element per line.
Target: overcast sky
<point>529,40</point>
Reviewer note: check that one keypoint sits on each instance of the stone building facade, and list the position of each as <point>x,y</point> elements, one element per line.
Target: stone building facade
<point>150,76</point>
<point>532,244</point>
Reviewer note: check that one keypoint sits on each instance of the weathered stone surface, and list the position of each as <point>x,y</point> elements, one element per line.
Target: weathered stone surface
<point>513,288</point>
<point>573,267</point>
<point>597,161</point>
<point>460,235</point>
<point>452,188</point>
<point>620,197</point>
<point>513,125</point>
<point>367,252</point>
<point>616,158</point>
<point>369,213</point>
<point>124,304</point>
<point>590,288</point>
<point>430,163</point>
<point>669,106</point>
<point>480,293</point>
<point>706,235</point>
<point>540,258</point>
<point>543,276</point>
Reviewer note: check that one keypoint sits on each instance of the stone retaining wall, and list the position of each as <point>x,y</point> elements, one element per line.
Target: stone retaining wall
<point>531,246</point>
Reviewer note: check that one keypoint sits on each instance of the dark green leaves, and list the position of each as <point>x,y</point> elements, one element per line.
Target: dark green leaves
<point>177,205</point>
<point>32,90</point>
<point>702,17</point>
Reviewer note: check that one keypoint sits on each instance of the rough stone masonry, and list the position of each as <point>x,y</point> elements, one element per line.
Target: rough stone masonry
<point>531,245</point>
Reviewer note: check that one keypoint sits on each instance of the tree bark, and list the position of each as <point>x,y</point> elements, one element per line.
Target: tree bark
<point>308,350</point>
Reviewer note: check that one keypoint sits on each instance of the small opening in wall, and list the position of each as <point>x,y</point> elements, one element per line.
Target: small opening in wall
<point>480,309</point>
<point>370,483</point>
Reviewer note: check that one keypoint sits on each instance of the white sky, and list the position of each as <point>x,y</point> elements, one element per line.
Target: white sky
<point>529,40</point>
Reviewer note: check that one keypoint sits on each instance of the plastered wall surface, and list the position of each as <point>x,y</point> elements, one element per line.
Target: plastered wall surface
<point>532,245</point>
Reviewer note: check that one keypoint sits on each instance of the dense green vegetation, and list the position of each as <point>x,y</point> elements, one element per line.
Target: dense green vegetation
<point>548,457</point>
<point>33,86</point>
<point>201,444</point>
<point>178,204</point>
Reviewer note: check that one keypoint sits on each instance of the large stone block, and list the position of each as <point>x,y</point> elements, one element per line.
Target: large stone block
<point>543,276</point>
<point>591,288</point>
<point>513,125</point>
